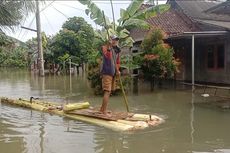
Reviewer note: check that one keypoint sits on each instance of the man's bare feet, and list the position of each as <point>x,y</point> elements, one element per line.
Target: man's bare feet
<point>106,113</point>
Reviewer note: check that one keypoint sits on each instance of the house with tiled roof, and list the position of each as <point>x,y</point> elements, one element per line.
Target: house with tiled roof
<point>210,28</point>
<point>223,8</point>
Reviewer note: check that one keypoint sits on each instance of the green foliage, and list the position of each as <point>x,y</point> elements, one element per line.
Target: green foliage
<point>13,12</point>
<point>132,17</point>
<point>13,57</point>
<point>151,11</point>
<point>95,13</point>
<point>134,7</point>
<point>65,42</point>
<point>94,75</point>
<point>129,62</point>
<point>80,26</point>
<point>153,38</point>
<point>33,51</point>
<point>32,43</point>
<point>13,53</point>
<point>48,55</point>
<point>94,64</point>
<point>44,41</point>
<point>157,60</point>
<point>75,39</point>
<point>5,40</point>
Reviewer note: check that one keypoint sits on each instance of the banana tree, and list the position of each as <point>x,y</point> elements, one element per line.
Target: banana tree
<point>133,17</point>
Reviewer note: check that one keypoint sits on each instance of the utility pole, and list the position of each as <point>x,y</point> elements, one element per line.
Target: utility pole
<point>39,39</point>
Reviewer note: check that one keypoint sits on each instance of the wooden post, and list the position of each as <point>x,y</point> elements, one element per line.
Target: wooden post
<point>70,66</point>
<point>70,77</point>
<point>39,39</point>
<point>64,70</point>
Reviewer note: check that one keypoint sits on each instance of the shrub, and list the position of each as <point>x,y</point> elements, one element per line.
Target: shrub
<point>157,60</point>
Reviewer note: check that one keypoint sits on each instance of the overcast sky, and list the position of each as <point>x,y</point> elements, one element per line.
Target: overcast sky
<point>55,13</point>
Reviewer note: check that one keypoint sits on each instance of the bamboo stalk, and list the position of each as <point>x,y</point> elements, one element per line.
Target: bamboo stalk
<point>124,95</point>
<point>75,106</point>
<point>119,125</point>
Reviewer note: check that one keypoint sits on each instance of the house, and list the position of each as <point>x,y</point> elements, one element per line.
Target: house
<point>208,22</point>
<point>223,8</point>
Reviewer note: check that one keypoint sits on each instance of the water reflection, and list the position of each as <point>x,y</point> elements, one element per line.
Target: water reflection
<point>188,127</point>
<point>192,117</point>
<point>10,137</point>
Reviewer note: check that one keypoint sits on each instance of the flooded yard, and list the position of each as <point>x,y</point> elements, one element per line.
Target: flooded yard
<point>189,127</point>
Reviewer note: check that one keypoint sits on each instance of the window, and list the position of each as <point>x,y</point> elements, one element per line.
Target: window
<point>215,56</point>
<point>220,56</point>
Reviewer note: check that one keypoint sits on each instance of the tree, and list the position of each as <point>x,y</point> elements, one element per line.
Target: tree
<point>13,53</point>
<point>157,60</point>
<point>85,35</point>
<point>75,40</point>
<point>4,40</point>
<point>80,26</point>
<point>132,17</point>
<point>32,43</point>
<point>13,12</point>
<point>66,42</point>
<point>33,52</point>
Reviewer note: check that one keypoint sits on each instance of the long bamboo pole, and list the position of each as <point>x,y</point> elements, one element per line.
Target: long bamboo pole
<point>111,2</point>
<point>121,84</point>
<point>124,95</point>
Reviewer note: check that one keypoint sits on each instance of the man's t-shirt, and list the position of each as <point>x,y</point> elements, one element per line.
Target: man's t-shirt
<point>111,59</point>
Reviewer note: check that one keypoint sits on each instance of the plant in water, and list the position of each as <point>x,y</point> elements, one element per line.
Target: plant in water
<point>94,72</point>
<point>133,17</point>
<point>157,60</point>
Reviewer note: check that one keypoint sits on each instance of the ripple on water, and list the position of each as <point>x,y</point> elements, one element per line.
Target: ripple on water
<point>36,128</point>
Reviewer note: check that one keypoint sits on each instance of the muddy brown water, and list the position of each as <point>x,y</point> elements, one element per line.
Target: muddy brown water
<point>189,128</point>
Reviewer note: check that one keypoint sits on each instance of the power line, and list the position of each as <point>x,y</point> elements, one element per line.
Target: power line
<point>32,20</point>
<point>60,12</point>
<point>120,2</point>
<point>113,2</point>
<point>48,22</point>
<point>78,9</point>
<point>26,32</point>
<point>73,7</point>
<point>47,6</point>
<point>21,28</point>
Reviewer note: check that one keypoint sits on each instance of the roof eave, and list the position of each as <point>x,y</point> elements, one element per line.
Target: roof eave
<point>200,34</point>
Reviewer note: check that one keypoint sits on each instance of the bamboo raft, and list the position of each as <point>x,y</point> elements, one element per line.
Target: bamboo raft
<point>117,121</point>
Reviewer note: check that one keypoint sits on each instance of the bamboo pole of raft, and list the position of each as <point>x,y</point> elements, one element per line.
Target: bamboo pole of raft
<point>137,121</point>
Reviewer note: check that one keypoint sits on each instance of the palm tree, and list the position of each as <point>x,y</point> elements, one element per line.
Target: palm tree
<point>13,12</point>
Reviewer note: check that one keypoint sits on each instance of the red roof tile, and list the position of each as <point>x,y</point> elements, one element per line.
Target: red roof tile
<point>171,22</point>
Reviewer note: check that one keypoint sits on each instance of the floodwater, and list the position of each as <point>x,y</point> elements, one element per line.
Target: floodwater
<point>189,128</point>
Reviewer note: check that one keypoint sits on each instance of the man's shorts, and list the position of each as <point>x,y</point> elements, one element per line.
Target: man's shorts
<point>108,83</point>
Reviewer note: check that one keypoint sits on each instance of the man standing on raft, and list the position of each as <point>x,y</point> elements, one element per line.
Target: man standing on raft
<point>110,68</point>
